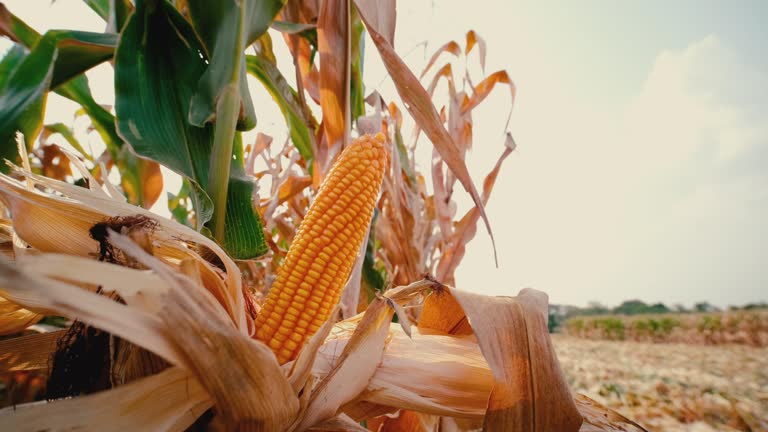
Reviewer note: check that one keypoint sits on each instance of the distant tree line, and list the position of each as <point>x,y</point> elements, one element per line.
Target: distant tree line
<point>559,313</point>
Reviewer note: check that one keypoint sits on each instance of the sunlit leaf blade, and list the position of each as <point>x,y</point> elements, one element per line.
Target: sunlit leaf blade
<point>78,52</point>
<point>287,99</point>
<point>139,190</point>
<point>77,89</point>
<point>57,57</point>
<point>420,106</point>
<point>66,132</point>
<point>101,7</point>
<point>12,58</point>
<point>291,27</point>
<point>114,12</point>
<point>15,29</point>
<point>154,83</point>
<point>357,54</point>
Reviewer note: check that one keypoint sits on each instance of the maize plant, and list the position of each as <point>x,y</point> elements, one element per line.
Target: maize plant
<point>306,305</point>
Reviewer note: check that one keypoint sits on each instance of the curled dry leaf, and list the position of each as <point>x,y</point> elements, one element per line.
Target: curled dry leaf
<point>420,106</point>
<point>450,47</point>
<point>529,393</point>
<point>472,40</point>
<point>467,226</point>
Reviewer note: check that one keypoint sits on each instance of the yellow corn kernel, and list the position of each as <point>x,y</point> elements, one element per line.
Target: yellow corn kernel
<point>324,249</point>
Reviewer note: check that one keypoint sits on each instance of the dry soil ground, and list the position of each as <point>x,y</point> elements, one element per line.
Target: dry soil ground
<point>672,387</point>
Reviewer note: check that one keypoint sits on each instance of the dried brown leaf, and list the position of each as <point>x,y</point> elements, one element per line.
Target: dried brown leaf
<point>486,86</point>
<point>333,40</point>
<point>420,106</point>
<point>472,40</point>
<point>467,226</point>
<point>450,47</point>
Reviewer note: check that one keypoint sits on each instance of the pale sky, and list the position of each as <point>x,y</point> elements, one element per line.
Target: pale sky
<point>642,145</point>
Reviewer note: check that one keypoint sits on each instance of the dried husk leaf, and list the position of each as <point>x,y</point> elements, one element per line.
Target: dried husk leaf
<point>29,352</point>
<point>205,338</point>
<point>530,390</point>
<point>14,318</point>
<point>431,373</point>
<point>168,401</point>
<point>340,423</point>
<point>408,421</point>
<point>61,223</point>
<point>355,366</point>
<point>33,291</point>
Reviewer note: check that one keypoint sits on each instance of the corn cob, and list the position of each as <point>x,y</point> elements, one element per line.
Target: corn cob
<point>310,280</point>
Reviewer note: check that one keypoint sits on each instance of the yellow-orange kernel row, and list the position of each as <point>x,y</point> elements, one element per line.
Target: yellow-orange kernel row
<point>320,259</point>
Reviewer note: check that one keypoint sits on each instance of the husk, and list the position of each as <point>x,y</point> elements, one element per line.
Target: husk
<point>29,352</point>
<point>184,310</point>
<point>14,318</point>
<point>170,400</point>
<point>60,222</point>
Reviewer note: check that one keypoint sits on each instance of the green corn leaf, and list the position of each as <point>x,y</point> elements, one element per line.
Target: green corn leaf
<point>114,12</point>
<point>66,132</point>
<point>76,89</point>
<point>57,57</point>
<point>357,90</point>
<point>225,34</point>
<point>101,7</point>
<point>158,65</point>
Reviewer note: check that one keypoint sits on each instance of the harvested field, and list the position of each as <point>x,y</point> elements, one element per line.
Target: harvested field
<point>671,386</point>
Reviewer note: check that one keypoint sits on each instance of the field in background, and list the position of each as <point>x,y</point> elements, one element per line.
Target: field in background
<point>672,387</point>
<point>746,327</point>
